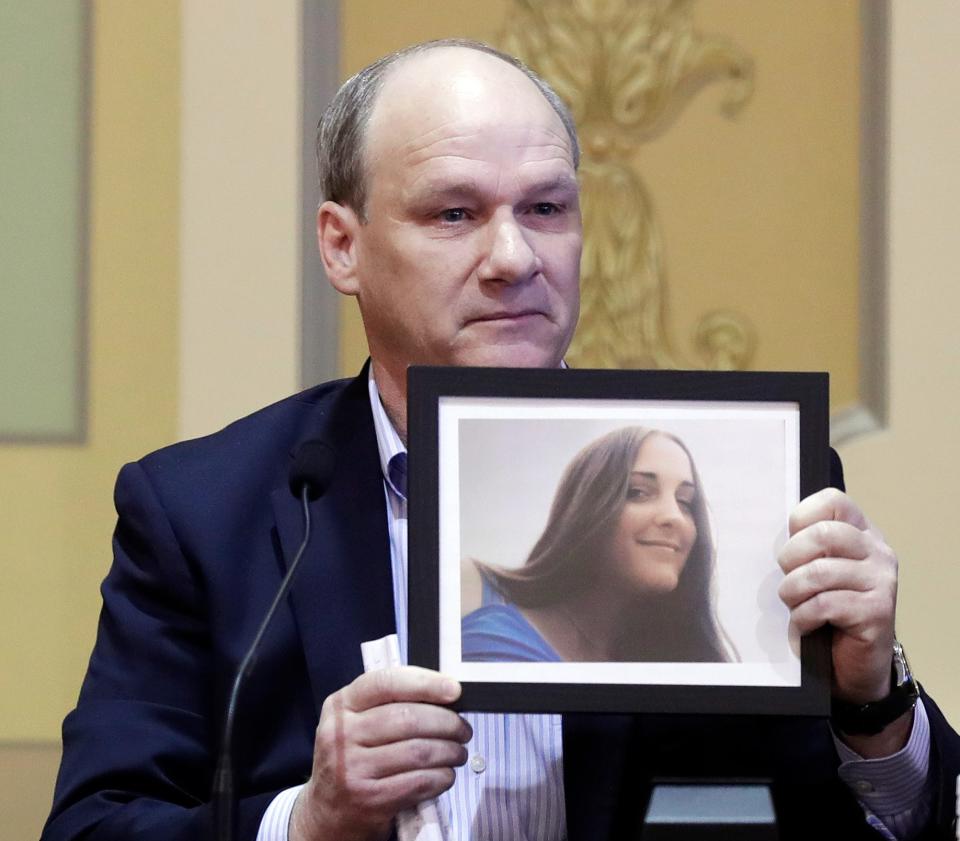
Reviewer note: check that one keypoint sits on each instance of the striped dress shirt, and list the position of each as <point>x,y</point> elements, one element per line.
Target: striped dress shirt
<point>511,788</point>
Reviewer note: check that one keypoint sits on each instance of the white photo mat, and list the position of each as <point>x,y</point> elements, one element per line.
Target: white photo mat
<point>499,463</point>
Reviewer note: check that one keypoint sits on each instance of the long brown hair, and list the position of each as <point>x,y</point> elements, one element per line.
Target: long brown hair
<point>672,627</point>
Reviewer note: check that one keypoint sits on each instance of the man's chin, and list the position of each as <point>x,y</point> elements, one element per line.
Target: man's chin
<point>509,355</point>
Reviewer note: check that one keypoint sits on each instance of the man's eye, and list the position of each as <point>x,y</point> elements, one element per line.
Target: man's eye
<point>546,208</point>
<point>453,214</point>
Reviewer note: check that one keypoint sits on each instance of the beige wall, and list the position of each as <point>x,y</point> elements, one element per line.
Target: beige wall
<point>240,217</point>
<point>27,772</point>
<point>904,476</point>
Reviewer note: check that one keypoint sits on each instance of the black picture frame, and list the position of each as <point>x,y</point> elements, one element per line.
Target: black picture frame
<point>447,413</point>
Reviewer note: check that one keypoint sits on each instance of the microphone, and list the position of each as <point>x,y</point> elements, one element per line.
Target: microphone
<point>312,469</point>
<point>310,476</point>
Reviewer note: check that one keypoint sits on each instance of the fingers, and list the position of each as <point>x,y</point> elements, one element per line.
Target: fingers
<point>360,809</point>
<point>399,758</point>
<point>824,539</point>
<point>850,595</point>
<point>350,717</point>
<point>407,789</point>
<point>399,721</point>
<point>827,505</point>
<point>838,571</point>
<point>362,794</point>
<point>843,609</point>
<point>383,744</point>
<point>407,683</point>
<point>823,575</point>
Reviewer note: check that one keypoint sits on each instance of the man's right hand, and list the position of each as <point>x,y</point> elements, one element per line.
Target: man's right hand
<point>383,744</point>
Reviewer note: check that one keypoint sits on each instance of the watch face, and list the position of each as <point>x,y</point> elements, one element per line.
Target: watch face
<point>900,664</point>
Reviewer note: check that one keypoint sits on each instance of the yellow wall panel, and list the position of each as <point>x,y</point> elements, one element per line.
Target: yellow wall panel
<point>57,516</point>
<point>760,213</point>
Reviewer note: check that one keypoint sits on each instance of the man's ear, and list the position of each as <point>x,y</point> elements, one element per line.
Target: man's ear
<point>337,228</point>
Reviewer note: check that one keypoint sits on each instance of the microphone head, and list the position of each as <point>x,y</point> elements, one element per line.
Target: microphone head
<point>312,467</point>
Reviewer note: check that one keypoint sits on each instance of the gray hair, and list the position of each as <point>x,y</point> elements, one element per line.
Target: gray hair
<point>342,129</point>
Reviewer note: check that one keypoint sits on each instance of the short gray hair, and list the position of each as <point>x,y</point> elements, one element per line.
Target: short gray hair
<point>342,129</point>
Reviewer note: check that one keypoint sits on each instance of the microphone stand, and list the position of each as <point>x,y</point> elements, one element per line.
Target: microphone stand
<point>225,803</point>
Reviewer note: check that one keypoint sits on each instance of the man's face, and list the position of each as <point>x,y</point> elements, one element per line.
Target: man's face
<point>471,251</point>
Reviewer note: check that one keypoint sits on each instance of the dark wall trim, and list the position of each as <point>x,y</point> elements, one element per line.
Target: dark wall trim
<point>319,342</point>
<point>871,414</point>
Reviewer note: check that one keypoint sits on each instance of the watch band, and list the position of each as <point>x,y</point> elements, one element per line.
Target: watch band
<point>871,718</point>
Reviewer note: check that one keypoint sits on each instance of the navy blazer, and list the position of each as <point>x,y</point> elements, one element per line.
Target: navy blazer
<point>205,532</point>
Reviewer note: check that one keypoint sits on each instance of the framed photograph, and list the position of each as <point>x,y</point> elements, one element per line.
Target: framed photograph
<point>607,540</point>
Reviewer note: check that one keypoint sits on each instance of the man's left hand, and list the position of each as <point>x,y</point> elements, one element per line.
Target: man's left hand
<point>839,571</point>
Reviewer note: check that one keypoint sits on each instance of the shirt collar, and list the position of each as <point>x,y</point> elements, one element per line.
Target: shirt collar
<point>388,442</point>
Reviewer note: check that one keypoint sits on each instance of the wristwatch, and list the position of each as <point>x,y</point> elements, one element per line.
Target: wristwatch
<point>870,719</point>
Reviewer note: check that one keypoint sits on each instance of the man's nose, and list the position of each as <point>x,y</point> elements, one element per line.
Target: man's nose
<point>510,257</point>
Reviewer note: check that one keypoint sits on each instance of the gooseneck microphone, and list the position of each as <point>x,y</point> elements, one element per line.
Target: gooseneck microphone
<point>312,469</point>
<point>310,476</point>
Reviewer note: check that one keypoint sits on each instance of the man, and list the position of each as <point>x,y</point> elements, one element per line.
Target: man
<point>452,215</point>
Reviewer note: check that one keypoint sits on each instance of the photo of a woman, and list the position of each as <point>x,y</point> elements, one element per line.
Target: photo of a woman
<point>622,572</point>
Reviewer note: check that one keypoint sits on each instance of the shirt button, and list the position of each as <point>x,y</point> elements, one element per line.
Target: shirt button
<point>478,764</point>
<point>863,787</point>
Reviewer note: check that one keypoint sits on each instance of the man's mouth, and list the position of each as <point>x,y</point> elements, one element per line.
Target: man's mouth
<point>508,315</point>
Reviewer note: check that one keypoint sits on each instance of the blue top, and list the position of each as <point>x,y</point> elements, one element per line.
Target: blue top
<point>499,633</point>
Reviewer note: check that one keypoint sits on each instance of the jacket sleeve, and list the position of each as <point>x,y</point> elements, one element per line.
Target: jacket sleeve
<point>140,747</point>
<point>944,770</point>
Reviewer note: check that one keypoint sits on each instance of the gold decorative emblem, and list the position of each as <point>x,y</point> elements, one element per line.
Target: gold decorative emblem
<point>627,68</point>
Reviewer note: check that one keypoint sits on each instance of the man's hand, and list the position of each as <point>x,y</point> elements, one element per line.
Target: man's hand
<point>382,745</point>
<point>839,571</point>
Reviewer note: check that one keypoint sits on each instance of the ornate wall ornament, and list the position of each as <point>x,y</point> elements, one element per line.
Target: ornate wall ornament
<point>627,68</point>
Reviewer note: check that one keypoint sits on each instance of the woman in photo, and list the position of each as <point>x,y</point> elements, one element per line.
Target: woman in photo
<point>623,571</point>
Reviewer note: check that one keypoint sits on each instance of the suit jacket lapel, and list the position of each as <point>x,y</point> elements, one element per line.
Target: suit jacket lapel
<point>343,593</point>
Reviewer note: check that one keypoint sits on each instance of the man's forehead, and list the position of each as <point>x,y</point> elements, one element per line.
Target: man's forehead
<point>426,94</point>
<point>431,69</point>
<point>453,180</point>
<point>478,142</point>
